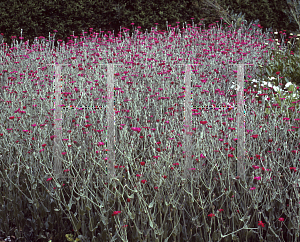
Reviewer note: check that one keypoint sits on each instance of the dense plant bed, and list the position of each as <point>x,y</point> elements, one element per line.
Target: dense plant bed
<point>154,195</point>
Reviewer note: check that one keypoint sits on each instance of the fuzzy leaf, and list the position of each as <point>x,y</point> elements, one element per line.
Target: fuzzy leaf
<point>131,215</point>
<point>131,196</point>
<point>151,223</point>
<point>287,196</point>
<point>69,205</point>
<point>91,225</point>
<point>160,231</point>
<point>82,211</point>
<point>151,204</point>
<point>290,225</point>
<point>234,237</point>
<point>215,235</point>
<point>137,230</point>
<point>104,219</point>
<point>268,207</point>
<point>78,226</point>
<point>34,185</point>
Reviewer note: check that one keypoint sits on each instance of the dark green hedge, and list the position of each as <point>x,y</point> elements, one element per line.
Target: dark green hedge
<point>38,18</point>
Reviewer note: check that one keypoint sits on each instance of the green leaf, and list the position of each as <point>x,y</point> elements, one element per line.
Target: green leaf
<point>104,219</point>
<point>82,211</point>
<point>34,185</point>
<point>69,205</point>
<point>137,230</point>
<point>268,207</point>
<point>290,225</point>
<point>43,210</point>
<point>268,71</point>
<point>131,196</point>
<point>74,219</point>
<point>104,235</point>
<point>160,231</point>
<point>91,225</point>
<point>58,185</point>
<point>151,204</point>
<point>151,223</point>
<point>234,237</point>
<point>78,226</point>
<point>287,196</point>
<point>249,233</point>
<point>215,235</point>
<point>131,215</point>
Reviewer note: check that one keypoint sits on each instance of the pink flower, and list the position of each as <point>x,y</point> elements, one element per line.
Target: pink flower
<point>211,215</point>
<point>115,213</point>
<point>252,188</point>
<point>260,223</point>
<point>281,219</point>
<point>220,210</point>
<point>143,181</point>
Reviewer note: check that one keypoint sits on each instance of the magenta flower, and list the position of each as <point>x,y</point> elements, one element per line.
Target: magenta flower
<point>115,213</point>
<point>260,223</point>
